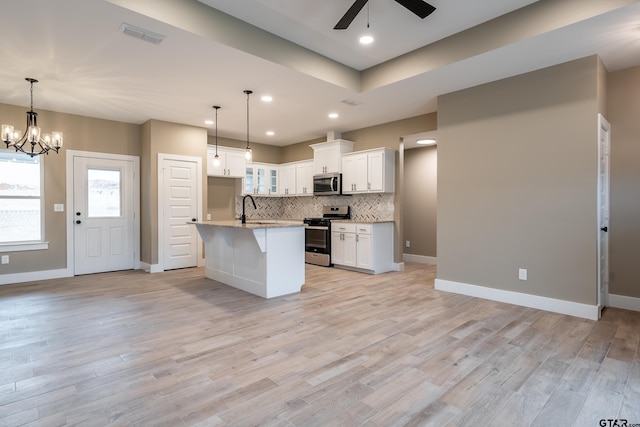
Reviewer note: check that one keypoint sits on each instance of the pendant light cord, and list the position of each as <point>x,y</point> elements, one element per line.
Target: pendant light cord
<point>217,108</point>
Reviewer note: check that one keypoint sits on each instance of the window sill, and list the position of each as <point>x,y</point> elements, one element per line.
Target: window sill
<point>26,246</point>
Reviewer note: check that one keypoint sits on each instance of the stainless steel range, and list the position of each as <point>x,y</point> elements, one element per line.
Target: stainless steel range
<point>317,233</point>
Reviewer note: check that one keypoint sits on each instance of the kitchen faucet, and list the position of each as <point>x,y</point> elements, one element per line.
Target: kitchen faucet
<point>243,218</point>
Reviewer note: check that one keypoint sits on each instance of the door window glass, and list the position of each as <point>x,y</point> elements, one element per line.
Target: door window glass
<point>104,192</point>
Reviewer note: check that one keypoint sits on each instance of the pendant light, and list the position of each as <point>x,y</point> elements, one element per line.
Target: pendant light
<point>216,159</point>
<point>247,153</point>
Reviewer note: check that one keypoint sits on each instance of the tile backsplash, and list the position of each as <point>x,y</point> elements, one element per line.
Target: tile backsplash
<point>364,207</point>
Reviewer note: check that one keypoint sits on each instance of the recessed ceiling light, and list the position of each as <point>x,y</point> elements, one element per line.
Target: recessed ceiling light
<point>427,141</point>
<point>208,122</point>
<point>366,39</point>
<point>266,98</point>
<point>270,133</point>
<point>333,115</point>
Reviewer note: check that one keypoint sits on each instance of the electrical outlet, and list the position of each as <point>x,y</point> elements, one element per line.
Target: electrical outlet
<point>58,207</point>
<point>407,243</point>
<point>522,274</point>
<point>5,259</point>
<point>208,217</point>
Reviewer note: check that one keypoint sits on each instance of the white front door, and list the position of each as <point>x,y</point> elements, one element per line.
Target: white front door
<point>103,214</point>
<point>604,129</point>
<point>180,190</point>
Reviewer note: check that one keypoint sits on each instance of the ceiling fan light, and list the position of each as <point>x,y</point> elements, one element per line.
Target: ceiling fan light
<point>366,39</point>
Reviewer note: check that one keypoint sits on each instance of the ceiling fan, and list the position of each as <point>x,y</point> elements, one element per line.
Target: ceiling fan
<point>418,7</point>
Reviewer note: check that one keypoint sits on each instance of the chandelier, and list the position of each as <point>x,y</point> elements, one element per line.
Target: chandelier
<point>32,143</point>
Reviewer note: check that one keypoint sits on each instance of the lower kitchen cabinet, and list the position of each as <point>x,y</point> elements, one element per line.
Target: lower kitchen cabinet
<point>366,247</point>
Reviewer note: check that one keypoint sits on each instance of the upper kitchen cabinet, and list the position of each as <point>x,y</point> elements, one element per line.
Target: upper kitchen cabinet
<point>287,184</point>
<point>296,178</point>
<point>327,155</point>
<point>370,171</point>
<point>261,179</point>
<point>232,163</point>
<point>304,178</point>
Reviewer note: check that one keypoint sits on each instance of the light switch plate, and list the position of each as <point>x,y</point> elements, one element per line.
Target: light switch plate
<point>5,259</point>
<point>58,207</point>
<point>522,274</point>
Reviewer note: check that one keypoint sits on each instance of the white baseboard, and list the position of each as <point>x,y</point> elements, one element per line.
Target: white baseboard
<point>627,303</point>
<point>150,268</point>
<point>526,300</point>
<point>422,259</point>
<point>6,279</point>
<point>398,266</point>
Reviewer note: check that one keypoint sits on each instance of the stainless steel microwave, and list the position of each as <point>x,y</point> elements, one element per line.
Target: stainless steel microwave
<point>327,184</point>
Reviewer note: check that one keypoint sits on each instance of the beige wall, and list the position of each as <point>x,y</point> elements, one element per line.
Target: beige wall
<point>261,152</point>
<point>517,169</point>
<point>221,195</point>
<point>80,133</point>
<point>420,200</point>
<point>623,114</point>
<point>168,138</point>
<point>383,135</point>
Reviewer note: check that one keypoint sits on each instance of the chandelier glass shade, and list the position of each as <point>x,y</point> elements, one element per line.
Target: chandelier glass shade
<point>32,142</point>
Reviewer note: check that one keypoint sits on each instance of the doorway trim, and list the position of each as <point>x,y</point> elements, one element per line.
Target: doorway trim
<point>71,154</point>
<point>603,209</point>
<point>159,267</point>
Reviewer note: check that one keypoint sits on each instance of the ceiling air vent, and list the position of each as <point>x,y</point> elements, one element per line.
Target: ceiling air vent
<point>351,102</point>
<point>141,33</point>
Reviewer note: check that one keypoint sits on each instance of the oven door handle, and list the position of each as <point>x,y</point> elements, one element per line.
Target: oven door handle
<point>315,227</point>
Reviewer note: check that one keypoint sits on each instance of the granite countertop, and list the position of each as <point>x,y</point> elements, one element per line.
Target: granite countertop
<point>252,224</point>
<point>354,221</point>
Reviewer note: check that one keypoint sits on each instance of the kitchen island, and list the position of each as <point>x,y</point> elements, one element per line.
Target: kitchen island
<point>265,258</point>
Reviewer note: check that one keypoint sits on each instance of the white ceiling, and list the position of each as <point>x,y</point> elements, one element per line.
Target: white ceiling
<point>87,67</point>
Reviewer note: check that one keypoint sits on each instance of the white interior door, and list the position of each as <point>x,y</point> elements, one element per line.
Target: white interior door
<point>180,189</point>
<point>604,129</point>
<point>103,215</point>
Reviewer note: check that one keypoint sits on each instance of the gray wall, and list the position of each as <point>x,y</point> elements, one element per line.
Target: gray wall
<point>517,169</point>
<point>624,114</point>
<point>420,200</point>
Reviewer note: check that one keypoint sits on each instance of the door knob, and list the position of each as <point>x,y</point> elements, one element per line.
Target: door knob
<point>78,214</point>
<point>193,219</point>
<point>605,229</point>
<point>78,222</point>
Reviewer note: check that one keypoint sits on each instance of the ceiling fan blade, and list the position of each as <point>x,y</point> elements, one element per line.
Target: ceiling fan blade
<point>419,7</point>
<point>351,14</point>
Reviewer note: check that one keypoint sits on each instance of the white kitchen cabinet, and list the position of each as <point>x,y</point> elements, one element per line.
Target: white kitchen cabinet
<point>261,179</point>
<point>370,171</point>
<point>304,178</point>
<point>296,178</point>
<point>327,156</point>
<point>232,162</point>
<point>362,247</point>
<point>287,185</point>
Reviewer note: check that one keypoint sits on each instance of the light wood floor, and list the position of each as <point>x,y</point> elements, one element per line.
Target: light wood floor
<point>174,349</point>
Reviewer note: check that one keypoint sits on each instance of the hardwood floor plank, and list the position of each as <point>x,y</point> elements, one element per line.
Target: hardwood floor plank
<point>562,408</point>
<point>174,348</point>
<point>600,404</point>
